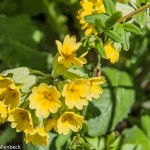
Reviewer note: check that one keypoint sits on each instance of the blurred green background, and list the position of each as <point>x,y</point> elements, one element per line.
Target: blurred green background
<point>28,30</point>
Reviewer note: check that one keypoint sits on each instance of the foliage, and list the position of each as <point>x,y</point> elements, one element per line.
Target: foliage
<point>119,119</point>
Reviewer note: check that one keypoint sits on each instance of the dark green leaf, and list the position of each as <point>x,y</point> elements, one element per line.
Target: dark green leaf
<point>100,25</point>
<point>110,6</point>
<point>113,19</point>
<point>130,27</point>
<point>114,36</point>
<point>113,105</point>
<point>100,48</point>
<point>7,135</point>
<point>91,18</point>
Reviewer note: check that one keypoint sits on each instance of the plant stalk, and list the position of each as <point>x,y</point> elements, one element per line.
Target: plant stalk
<point>130,15</point>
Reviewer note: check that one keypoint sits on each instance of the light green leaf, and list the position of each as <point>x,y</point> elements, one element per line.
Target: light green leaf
<point>30,146</point>
<point>130,147</point>
<point>22,76</point>
<point>145,123</point>
<point>59,69</point>
<point>124,8</point>
<point>93,141</point>
<point>118,28</point>
<point>141,19</point>
<point>74,73</point>
<point>130,27</point>
<point>136,136</point>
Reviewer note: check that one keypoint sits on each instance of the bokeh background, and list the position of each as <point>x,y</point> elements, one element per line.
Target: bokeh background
<point>28,30</point>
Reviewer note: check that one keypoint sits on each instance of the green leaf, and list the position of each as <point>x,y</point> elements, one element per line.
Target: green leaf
<point>145,123</point>
<point>93,141</point>
<point>124,8</point>
<point>113,19</point>
<point>7,135</point>
<point>59,69</point>
<point>74,73</point>
<point>114,36</point>
<point>110,6</point>
<point>91,18</point>
<point>22,76</point>
<point>30,146</point>
<point>113,105</point>
<point>61,141</point>
<point>118,28</point>
<point>126,40</point>
<point>131,147</point>
<point>100,25</point>
<point>141,19</point>
<point>110,139</point>
<point>136,136</point>
<point>130,27</point>
<point>100,48</point>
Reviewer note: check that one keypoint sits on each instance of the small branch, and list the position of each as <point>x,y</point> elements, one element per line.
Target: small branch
<point>134,13</point>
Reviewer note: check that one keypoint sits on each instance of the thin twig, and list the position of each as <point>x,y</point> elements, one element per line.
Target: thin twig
<point>134,13</point>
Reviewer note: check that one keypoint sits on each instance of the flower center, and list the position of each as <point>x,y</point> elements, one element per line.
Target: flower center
<point>47,96</point>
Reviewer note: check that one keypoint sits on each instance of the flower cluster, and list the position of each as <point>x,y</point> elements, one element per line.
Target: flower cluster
<point>46,106</point>
<point>89,7</point>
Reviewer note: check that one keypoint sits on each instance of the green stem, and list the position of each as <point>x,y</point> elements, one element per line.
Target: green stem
<point>84,111</point>
<point>130,15</point>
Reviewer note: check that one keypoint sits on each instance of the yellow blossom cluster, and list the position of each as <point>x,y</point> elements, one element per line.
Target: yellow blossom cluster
<point>46,106</point>
<point>89,7</point>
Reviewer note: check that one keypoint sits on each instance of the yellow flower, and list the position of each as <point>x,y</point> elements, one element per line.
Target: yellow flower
<point>3,112</point>
<point>21,120</point>
<point>111,53</point>
<point>51,123</point>
<point>95,89</point>
<point>75,93</point>
<point>45,99</point>
<point>9,93</point>
<point>69,121</point>
<point>67,52</point>
<point>89,7</point>
<point>37,136</point>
